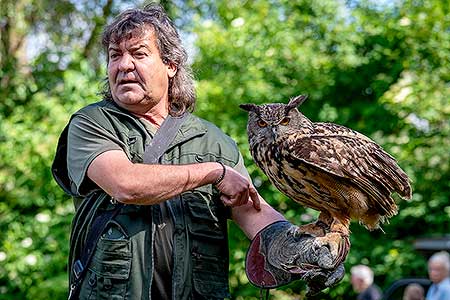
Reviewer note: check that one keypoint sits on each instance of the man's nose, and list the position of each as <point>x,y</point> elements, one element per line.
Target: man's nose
<point>126,63</point>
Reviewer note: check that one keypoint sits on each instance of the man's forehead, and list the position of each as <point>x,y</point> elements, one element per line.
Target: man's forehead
<point>136,36</point>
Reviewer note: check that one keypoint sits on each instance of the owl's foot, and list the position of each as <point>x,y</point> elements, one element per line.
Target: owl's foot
<point>315,229</point>
<point>338,244</point>
<point>339,227</point>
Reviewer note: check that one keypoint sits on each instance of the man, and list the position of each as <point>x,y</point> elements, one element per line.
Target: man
<point>362,282</point>
<point>439,271</point>
<point>168,239</point>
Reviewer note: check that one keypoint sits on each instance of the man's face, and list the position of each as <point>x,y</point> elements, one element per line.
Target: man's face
<point>357,283</point>
<point>437,272</point>
<point>137,76</point>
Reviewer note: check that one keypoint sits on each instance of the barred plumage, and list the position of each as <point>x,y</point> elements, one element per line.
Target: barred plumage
<point>328,167</point>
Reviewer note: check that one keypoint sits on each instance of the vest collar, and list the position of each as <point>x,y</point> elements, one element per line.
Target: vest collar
<point>192,126</point>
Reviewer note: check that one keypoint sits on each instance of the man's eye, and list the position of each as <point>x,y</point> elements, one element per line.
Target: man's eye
<point>139,54</point>
<point>113,55</point>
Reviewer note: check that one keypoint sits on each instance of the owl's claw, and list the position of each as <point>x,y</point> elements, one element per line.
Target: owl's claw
<point>318,283</point>
<point>313,229</point>
<point>333,243</point>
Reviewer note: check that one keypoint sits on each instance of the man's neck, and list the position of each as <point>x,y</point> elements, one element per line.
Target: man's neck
<point>154,121</point>
<point>155,114</point>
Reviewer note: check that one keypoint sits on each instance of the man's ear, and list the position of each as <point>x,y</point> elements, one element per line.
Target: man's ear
<point>171,69</point>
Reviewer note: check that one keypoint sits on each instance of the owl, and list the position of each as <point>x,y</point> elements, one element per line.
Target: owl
<point>328,167</point>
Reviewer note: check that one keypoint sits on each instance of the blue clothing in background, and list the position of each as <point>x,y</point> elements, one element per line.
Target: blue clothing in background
<point>440,291</point>
<point>373,292</point>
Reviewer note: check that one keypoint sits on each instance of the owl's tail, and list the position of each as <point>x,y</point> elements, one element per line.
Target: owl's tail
<point>374,221</point>
<point>393,177</point>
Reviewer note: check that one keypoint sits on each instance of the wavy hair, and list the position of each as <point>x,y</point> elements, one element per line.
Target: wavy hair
<point>135,22</point>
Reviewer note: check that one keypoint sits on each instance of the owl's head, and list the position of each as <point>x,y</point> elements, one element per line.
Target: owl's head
<point>268,122</point>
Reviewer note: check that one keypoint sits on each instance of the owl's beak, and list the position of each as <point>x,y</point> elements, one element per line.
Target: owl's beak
<point>274,131</point>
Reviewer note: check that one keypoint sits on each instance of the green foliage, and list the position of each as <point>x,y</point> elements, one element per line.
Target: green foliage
<point>35,216</point>
<point>377,68</point>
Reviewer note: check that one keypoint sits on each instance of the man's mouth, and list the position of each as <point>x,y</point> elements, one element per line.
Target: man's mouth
<point>123,81</point>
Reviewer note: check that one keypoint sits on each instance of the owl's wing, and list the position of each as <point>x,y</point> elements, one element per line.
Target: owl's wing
<point>352,156</point>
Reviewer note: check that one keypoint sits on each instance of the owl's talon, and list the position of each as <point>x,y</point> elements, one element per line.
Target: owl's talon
<point>331,242</point>
<point>325,227</point>
<point>316,246</point>
<point>312,229</point>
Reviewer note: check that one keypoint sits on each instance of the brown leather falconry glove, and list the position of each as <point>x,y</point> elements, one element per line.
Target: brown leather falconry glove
<point>280,254</point>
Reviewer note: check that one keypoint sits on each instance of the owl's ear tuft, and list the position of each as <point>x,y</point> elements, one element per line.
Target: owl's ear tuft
<point>296,101</point>
<point>249,107</point>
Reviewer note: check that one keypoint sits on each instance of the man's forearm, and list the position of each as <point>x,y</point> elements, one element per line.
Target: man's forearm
<point>148,184</point>
<point>251,221</point>
<point>157,183</point>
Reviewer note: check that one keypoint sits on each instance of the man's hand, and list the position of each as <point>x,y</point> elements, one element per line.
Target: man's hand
<point>237,190</point>
<point>280,254</point>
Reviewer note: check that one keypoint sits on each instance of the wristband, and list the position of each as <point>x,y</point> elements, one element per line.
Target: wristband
<point>222,176</point>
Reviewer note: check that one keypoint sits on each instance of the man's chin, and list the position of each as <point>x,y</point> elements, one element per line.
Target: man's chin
<point>129,98</point>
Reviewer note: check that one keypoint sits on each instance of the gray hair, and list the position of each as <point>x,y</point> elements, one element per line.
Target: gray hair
<point>414,291</point>
<point>135,22</point>
<point>441,257</point>
<point>363,272</point>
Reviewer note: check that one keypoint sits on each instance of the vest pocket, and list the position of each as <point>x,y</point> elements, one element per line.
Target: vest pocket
<point>210,280</point>
<point>204,217</point>
<point>109,271</point>
<point>209,246</point>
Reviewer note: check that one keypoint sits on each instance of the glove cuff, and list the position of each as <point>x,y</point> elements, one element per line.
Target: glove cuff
<point>280,254</point>
<point>257,269</point>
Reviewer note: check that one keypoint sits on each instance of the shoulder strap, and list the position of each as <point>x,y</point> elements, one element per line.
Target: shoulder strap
<point>162,139</point>
<point>153,153</point>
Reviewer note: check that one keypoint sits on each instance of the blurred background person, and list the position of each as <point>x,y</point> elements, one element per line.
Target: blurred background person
<point>362,283</point>
<point>438,271</point>
<point>414,291</point>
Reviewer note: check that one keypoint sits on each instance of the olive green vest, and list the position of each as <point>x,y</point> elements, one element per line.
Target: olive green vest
<point>122,266</point>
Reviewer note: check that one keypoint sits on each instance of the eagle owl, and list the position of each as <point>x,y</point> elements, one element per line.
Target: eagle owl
<point>330,168</point>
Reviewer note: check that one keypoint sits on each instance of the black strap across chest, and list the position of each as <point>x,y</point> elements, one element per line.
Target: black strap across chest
<point>162,139</point>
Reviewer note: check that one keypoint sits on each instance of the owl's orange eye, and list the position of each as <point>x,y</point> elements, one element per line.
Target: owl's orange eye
<point>285,121</point>
<point>261,123</point>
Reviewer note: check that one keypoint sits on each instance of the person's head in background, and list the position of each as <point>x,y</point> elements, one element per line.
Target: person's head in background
<point>361,277</point>
<point>414,291</point>
<point>439,266</point>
